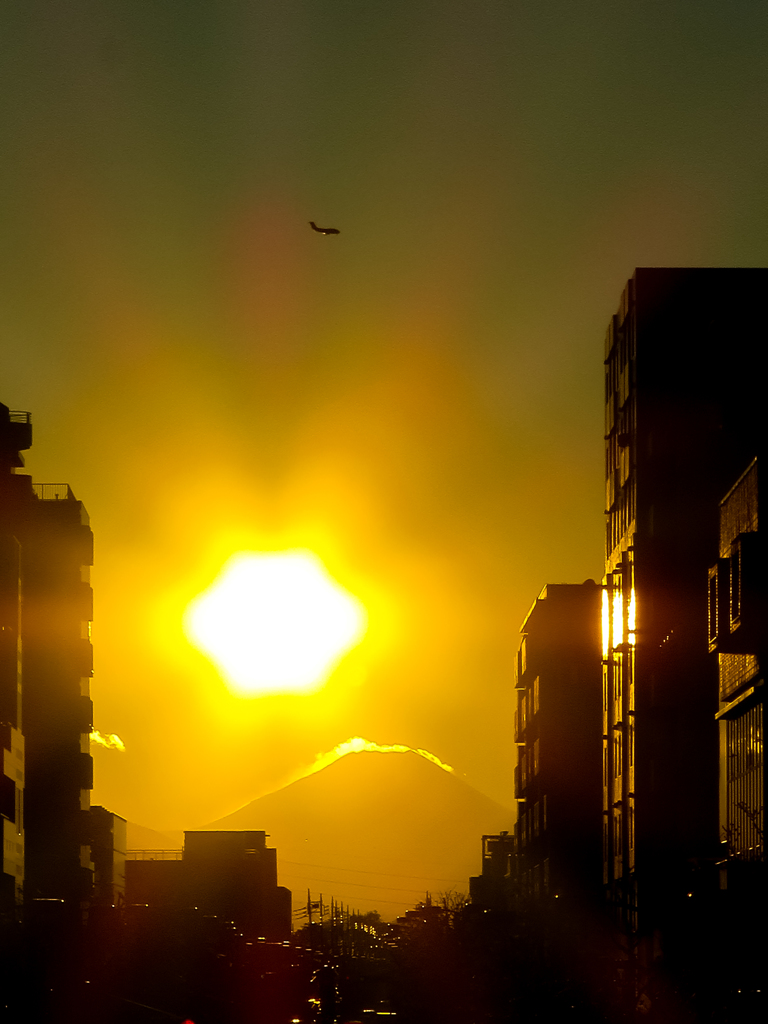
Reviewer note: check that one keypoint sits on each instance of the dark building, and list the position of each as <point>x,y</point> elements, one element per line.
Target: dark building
<point>15,437</point>
<point>684,410</point>
<point>557,729</point>
<point>494,888</point>
<point>738,631</point>
<point>108,842</point>
<point>47,661</point>
<point>230,875</point>
<point>234,875</point>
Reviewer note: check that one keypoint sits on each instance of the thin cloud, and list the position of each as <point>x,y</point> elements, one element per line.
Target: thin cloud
<point>356,745</point>
<point>111,741</point>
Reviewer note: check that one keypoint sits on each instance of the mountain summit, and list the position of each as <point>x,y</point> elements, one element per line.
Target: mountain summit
<point>374,831</point>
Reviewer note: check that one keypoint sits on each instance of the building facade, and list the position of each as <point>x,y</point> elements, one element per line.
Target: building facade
<point>15,437</point>
<point>557,731</point>
<point>683,400</point>
<point>231,875</point>
<point>738,629</point>
<point>46,556</point>
<point>495,887</point>
<point>108,843</point>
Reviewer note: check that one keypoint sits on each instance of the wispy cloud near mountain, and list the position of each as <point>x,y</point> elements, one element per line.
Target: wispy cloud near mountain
<point>112,741</point>
<point>356,745</point>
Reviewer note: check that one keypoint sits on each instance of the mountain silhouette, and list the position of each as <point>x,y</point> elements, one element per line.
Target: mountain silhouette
<point>375,831</point>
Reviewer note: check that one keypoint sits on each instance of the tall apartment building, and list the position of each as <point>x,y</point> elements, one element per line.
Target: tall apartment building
<point>15,437</point>
<point>684,410</point>
<point>557,732</point>
<point>47,538</point>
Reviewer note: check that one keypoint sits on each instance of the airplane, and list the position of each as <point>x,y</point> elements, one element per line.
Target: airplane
<point>324,231</point>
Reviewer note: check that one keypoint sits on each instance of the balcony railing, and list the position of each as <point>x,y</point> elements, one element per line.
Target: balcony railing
<point>15,416</point>
<point>53,492</point>
<point>153,855</point>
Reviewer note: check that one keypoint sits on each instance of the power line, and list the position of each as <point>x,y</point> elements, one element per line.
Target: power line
<point>395,903</point>
<point>361,871</point>
<point>361,885</point>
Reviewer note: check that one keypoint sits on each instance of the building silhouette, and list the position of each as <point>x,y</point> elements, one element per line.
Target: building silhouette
<point>737,635</point>
<point>47,661</point>
<point>683,407</point>
<point>738,629</point>
<point>495,888</point>
<point>230,875</point>
<point>557,729</point>
<point>108,841</point>
<point>15,437</point>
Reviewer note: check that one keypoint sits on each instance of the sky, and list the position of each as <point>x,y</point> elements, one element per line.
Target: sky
<point>417,401</point>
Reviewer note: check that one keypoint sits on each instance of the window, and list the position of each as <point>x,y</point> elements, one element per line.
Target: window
<point>712,608</point>
<point>735,588</point>
<point>631,826</point>
<point>617,837</point>
<point>617,752</point>
<point>631,743</point>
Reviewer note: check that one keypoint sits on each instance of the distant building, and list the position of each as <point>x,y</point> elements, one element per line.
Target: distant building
<point>154,878</point>
<point>494,888</point>
<point>684,406</point>
<point>234,875</point>
<point>108,842</point>
<point>557,732</point>
<point>47,661</point>
<point>231,875</point>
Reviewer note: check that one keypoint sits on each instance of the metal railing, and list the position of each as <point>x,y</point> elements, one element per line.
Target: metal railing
<point>154,855</point>
<point>53,492</point>
<point>16,416</point>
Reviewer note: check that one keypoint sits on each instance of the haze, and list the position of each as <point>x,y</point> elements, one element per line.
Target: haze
<point>416,401</point>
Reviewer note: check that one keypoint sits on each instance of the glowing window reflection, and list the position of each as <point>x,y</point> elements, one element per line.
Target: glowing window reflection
<point>631,614</point>
<point>618,619</point>
<point>606,616</point>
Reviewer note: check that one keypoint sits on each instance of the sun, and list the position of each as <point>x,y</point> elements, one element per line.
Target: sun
<point>275,622</point>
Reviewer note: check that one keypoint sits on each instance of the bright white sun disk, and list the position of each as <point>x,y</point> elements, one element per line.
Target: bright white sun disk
<point>275,622</point>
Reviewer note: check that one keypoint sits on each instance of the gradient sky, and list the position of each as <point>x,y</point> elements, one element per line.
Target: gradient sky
<point>417,400</point>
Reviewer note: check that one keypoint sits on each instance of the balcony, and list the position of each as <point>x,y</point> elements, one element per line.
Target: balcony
<point>737,599</point>
<point>86,771</point>
<point>83,657</point>
<point>53,492</point>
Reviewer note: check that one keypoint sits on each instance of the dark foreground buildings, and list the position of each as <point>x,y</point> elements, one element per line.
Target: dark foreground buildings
<point>684,417</point>
<point>738,613</point>
<point>231,875</point>
<point>46,549</point>
<point>71,949</point>
<point>684,612</point>
<point>557,786</point>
